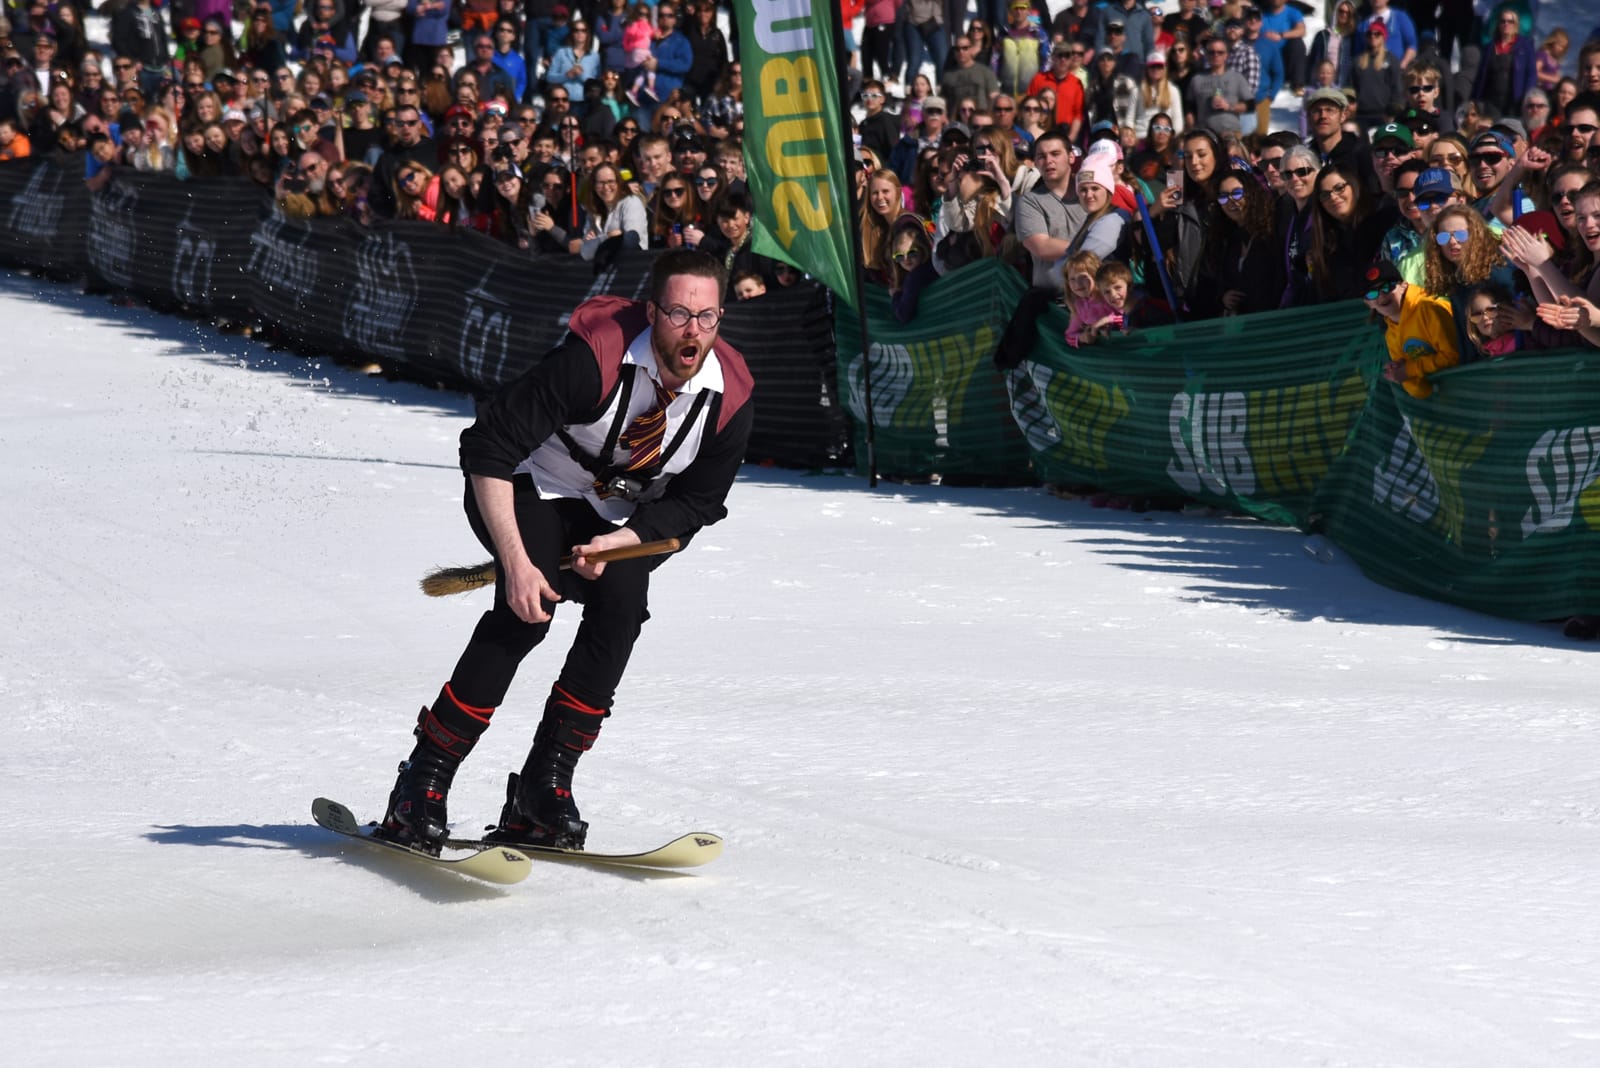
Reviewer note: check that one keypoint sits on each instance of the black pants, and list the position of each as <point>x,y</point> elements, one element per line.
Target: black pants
<point>614,606</point>
<point>877,51</point>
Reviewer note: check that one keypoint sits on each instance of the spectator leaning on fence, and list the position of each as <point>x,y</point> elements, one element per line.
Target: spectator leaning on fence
<point>614,214</point>
<point>1047,217</point>
<point>880,207</point>
<point>911,268</point>
<point>1242,263</point>
<point>1418,331</point>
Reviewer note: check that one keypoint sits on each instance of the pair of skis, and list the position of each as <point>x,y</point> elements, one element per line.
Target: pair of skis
<point>496,863</point>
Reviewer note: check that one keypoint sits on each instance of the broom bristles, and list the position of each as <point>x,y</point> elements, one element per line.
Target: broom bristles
<point>445,581</point>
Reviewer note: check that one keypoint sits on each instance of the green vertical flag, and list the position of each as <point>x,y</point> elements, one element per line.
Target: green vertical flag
<point>794,140</point>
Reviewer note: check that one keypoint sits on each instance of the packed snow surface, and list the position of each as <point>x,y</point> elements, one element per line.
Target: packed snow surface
<point>1005,779</point>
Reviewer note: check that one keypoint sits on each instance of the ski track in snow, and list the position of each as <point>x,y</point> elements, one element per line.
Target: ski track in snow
<point>1004,778</point>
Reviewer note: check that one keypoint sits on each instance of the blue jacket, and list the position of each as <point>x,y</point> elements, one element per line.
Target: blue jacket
<point>608,31</point>
<point>344,51</point>
<point>1271,53</point>
<point>565,60</point>
<point>283,17</point>
<point>1524,69</point>
<point>516,68</point>
<point>1402,33</point>
<point>674,57</point>
<point>431,29</point>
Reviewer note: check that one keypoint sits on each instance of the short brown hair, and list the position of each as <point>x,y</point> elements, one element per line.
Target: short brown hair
<point>1113,271</point>
<point>689,261</point>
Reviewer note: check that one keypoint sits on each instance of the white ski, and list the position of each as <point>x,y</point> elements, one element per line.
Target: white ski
<point>489,862</point>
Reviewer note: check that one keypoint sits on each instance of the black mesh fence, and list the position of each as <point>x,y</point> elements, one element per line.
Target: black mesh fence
<point>444,305</point>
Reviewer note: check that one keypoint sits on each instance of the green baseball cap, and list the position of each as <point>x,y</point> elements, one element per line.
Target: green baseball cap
<point>1393,131</point>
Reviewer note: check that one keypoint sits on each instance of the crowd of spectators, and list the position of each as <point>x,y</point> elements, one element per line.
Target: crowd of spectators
<point>1438,165</point>
<point>1123,155</point>
<point>560,131</point>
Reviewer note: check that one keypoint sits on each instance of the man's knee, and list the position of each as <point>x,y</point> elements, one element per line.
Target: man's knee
<point>623,587</point>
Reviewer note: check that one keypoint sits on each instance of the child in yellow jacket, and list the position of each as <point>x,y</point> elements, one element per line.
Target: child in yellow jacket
<point>1421,331</point>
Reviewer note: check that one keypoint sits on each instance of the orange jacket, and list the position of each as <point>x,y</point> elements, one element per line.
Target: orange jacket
<point>1069,95</point>
<point>19,148</point>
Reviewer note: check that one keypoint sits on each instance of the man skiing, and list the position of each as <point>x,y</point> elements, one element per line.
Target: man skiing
<point>632,429</point>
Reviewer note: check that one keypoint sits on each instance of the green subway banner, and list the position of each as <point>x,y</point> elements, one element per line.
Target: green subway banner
<point>1241,412</point>
<point>794,137</point>
<point>940,405</point>
<point>1485,494</point>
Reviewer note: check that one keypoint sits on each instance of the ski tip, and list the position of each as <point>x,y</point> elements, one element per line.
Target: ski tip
<point>691,850</point>
<point>334,816</point>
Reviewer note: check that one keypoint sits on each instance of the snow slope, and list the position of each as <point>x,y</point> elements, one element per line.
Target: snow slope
<point>1005,779</point>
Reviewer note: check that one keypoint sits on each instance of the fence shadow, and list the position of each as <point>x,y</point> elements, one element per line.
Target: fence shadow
<point>200,339</point>
<point>1229,559</point>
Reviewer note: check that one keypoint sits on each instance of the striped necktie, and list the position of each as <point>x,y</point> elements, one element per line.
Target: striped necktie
<point>645,434</point>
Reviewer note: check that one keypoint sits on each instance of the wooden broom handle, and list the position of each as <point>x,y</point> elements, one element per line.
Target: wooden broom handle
<point>628,552</point>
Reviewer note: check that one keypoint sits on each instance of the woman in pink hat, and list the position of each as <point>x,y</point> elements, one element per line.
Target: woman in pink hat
<point>1102,223</point>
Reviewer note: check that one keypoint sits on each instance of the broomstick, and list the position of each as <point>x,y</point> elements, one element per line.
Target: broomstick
<point>444,581</point>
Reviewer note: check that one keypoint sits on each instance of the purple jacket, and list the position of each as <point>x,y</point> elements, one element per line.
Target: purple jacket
<point>221,10</point>
<point>1524,70</point>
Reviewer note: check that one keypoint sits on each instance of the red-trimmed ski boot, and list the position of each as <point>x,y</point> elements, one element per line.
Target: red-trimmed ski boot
<point>540,809</point>
<point>417,814</point>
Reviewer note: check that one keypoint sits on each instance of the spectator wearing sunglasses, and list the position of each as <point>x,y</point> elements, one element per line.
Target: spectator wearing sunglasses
<point>1491,160</point>
<point>507,58</point>
<point>1463,255</point>
<point>576,61</point>
<point>1418,329</point>
<point>1242,265</point>
<point>879,128</point>
<point>409,145</point>
<point>558,215</point>
<point>411,184</point>
<point>709,184</point>
<point>1428,91</point>
<point>361,135</point>
<point>1402,245</point>
<point>1582,125</point>
<point>1062,79</point>
<point>493,79</point>
<point>1219,95</point>
<point>675,219</point>
<point>1295,221</point>
<point>510,198</point>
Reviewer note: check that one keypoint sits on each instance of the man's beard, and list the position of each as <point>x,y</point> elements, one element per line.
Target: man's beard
<point>668,349</point>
